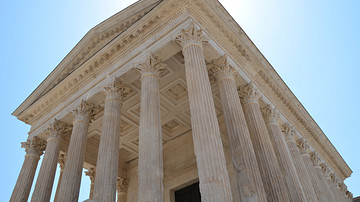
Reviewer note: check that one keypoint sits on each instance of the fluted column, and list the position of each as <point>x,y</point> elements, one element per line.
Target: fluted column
<point>213,176</point>
<point>71,179</point>
<point>326,171</point>
<point>242,152</point>
<point>34,148</point>
<point>122,186</point>
<point>45,180</point>
<point>150,164</point>
<point>316,160</point>
<point>304,152</point>
<point>268,164</point>
<point>108,155</point>
<point>302,172</point>
<point>62,166</point>
<point>91,173</point>
<point>282,152</point>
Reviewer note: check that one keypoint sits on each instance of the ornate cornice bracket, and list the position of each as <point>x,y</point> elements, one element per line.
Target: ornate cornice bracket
<point>221,68</point>
<point>192,35</point>
<point>152,66</point>
<point>35,146</point>
<point>270,114</point>
<point>249,93</point>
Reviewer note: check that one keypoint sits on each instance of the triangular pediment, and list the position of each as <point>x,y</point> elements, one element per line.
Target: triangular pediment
<point>94,40</point>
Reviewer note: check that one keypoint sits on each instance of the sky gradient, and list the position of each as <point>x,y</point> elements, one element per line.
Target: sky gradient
<point>313,45</point>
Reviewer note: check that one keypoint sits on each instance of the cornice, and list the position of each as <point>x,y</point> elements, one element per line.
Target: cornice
<point>94,40</point>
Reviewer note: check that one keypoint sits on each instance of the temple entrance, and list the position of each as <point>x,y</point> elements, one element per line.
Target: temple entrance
<point>188,194</point>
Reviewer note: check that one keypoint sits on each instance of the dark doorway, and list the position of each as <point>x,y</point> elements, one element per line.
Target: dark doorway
<point>188,194</point>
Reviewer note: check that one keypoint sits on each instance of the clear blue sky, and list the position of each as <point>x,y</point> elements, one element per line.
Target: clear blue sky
<point>313,45</point>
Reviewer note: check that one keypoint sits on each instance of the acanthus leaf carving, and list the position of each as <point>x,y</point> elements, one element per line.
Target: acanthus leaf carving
<point>83,111</point>
<point>122,184</point>
<point>270,114</point>
<point>91,173</point>
<point>303,146</point>
<point>152,66</point>
<point>34,146</point>
<point>221,68</point>
<point>315,158</point>
<point>191,36</point>
<point>249,93</point>
<point>288,131</point>
<point>117,88</point>
<point>57,129</point>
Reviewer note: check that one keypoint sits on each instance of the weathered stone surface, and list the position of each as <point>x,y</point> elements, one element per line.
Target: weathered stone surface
<point>274,184</point>
<point>213,176</point>
<point>243,157</point>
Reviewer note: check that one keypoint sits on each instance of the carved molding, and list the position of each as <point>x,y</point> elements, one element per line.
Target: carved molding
<point>270,114</point>
<point>122,184</point>
<point>191,36</point>
<point>221,68</point>
<point>152,66</point>
<point>35,146</point>
<point>249,93</point>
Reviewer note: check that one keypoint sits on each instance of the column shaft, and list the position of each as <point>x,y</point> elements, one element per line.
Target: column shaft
<point>243,156</point>
<point>34,148</point>
<point>213,175</point>
<point>283,155</point>
<point>71,179</point>
<point>108,156</point>
<point>299,164</point>
<point>62,165</point>
<point>269,167</point>
<point>45,180</point>
<point>304,149</point>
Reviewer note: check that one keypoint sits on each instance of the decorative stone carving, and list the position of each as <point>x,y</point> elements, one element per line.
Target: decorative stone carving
<point>191,36</point>
<point>91,173</point>
<point>325,169</point>
<point>117,87</point>
<point>315,158</point>
<point>221,68</point>
<point>303,146</point>
<point>288,131</point>
<point>57,129</point>
<point>62,160</point>
<point>270,114</point>
<point>249,93</point>
<point>34,146</point>
<point>83,111</point>
<point>122,184</point>
<point>152,66</point>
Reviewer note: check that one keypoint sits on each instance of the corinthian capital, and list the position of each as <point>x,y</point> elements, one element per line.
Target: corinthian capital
<point>34,146</point>
<point>84,111</point>
<point>288,131</point>
<point>221,68</point>
<point>117,88</point>
<point>191,36</point>
<point>57,129</point>
<point>151,66</point>
<point>315,158</point>
<point>270,114</point>
<point>303,146</point>
<point>249,93</point>
<point>325,169</point>
<point>122,184</point>
<point>62,159</point>
<point>91,173</point>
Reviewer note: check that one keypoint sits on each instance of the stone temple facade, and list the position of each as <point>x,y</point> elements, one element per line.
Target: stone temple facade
<point>166,94</point>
